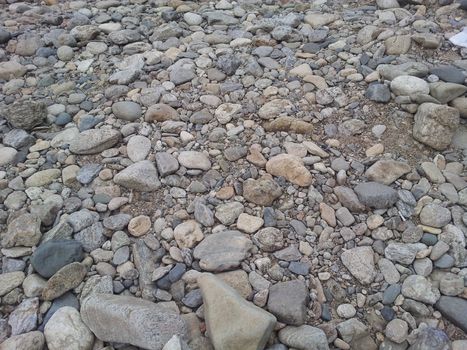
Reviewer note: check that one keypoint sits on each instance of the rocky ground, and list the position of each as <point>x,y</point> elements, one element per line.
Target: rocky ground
<point>233,175</point>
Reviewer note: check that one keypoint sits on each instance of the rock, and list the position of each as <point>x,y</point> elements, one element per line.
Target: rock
<point>289,124</point>
<point>65,279</point>
<point>238,280</point>
<point>26,114</point>
<point>248,223</point>
<point>52,255</point>
<point>376,195</point>
<point>359,261</point>
<point>446,92</point>
<point>387,171</point>
<point>94,141</point>
<point>222,251</point>
<point>11,70</point>
<point>351,329</point>
<point>25,230</point>
<point>274,108</point>
<point>287,301</point>
<point>138,148</point>
<point>408,85</point>
<point>387,4</point>
<point>290,167</point>
<point>139,225</point>
<point>160,112</point>
<point>181,76</point>
<point>43,178</point>
<point>435,125</point>
<point>175,343</point>
<point>317,20</point>
<point>7,155</point>
<point>233,322</point>
<point>27,341</point>
<point>348,198</point>
<point>419,288</point>
<point>435,215</point>
<point>166,163</point>
<point>134,321</point>
<point>194,160</point>
<point>10,280</point>
<point>398,44</point>
<point>141,176</point>
<point>187,234</point>
<point>459,103</point>
<point>269,239</point>
<point>65,329</point>
<point>227,213</point>
<point>431,338</point>
<point>453,309</point>
<point>397,330</point>
<point>401,253</point>
<point>263,191</point>
<point>304,338</point>
<point>378,93</point>
<point>127,110</point>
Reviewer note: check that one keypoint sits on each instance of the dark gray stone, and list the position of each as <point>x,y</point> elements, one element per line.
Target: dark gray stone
<point>51,256</point>
<point>378,93</point>
<point>376,195</point>
<point>449,74</point>
<point>287,301</point>
<point>88,172</point>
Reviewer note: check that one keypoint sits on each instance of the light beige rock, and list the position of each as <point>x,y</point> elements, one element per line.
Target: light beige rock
<point>249,223</point>
<point>188,233</point>
<point>291,168</point>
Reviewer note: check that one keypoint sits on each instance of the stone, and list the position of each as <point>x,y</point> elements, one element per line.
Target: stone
<point>228,213</point>
<point>232,322</point>
<point>435,215</point>
<point>289,124</point>
<point>28,341</point>
<point>194,160</point>
<point>287,301</point>
<point>181,76</point>
<point>420,289</point>
<point>346,310</point>
<point>401,253</point>
<point>139,225</point>
<point>141,176</point>
<point>459,103</point>
<point>94,141</point>
<point>378,93</point>
<point>7,155</point>
<point>188,234</point>
<point>269,239</point>
<point>348,198</point>
<point>25,114</point>
<point>238,280</point>
<point>387,171</point>
<point>127,110</point>
<point>290,167</point>
<point>134,321</point>
<point>65,279</point>
<point>11,70</point>
<point>304,338</point>
<point>52,255</point>
<point>317,20</point>
<point>138,148</point>
<point>434,125</point>
<point>43,178</point>
<point>351,329</point>
<point>376,195</point>
<point>66,329</point>
<point>10,280</point>
<point>398,44</point>
<point>397,330</point>
<point>263,191</point>
<point>446,92</point>
<point>453,309</point>
<point>222,251</point>
<point>160,112</point>
<point>22,231</point>
<point>275,108</point>
<point>249,223</point>
<point>408,85</point>
<point>166,163</point>
<point>359,261</point>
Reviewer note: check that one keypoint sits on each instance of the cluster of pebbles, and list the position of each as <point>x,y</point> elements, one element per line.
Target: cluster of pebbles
<point>233,175</point>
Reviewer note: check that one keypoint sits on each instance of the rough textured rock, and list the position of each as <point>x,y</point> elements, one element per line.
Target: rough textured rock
<point>94,141</point>
<point>290,167</point>
<point>233,322</point>
<point>434,125</point>
<point>26,114</point>
<point>304,338</point>
<point>134,321</point>
<point>359,261</point>
<point>141,176</point>
<point>222,251</point>
<point>65,329</point>
<point>287,302</point>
